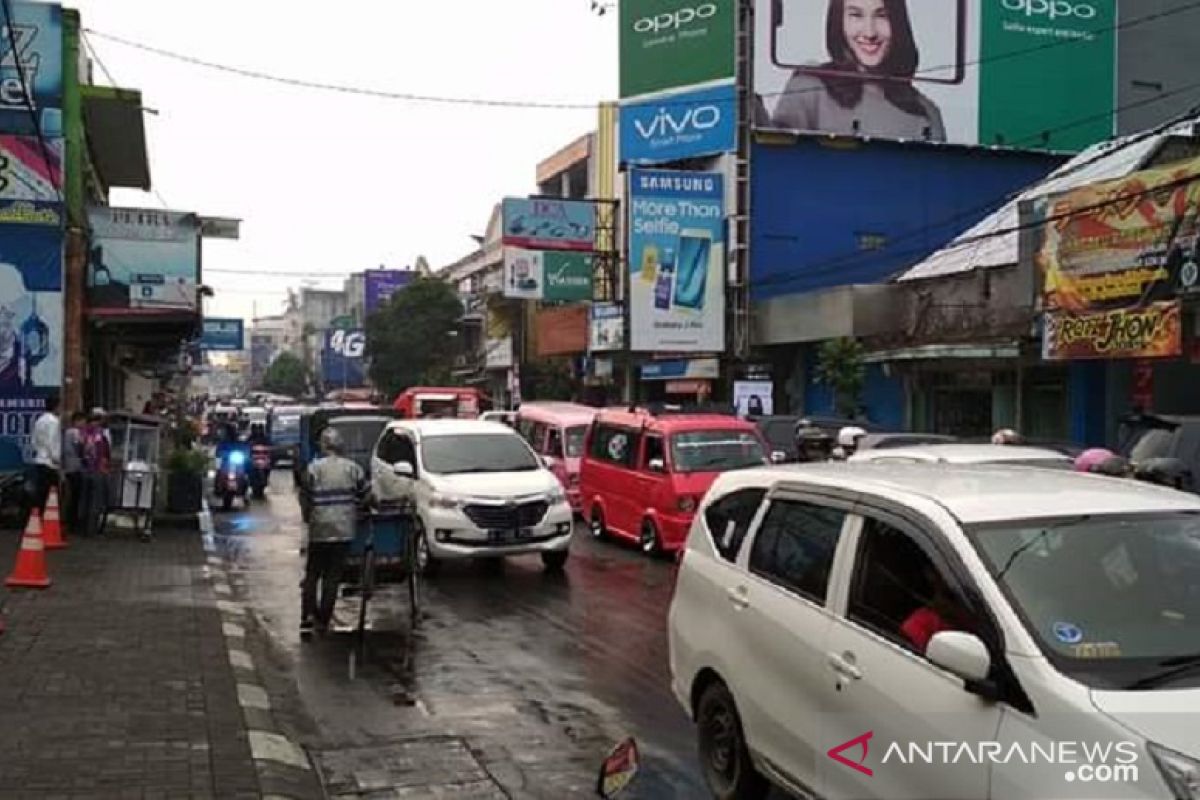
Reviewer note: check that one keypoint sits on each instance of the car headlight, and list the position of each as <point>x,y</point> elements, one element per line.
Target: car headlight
<point>448,501</point>
<point>1181,773</point>
<point>556,496</point>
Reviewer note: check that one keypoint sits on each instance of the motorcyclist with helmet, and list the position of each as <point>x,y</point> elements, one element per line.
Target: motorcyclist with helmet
<point>812,443</point>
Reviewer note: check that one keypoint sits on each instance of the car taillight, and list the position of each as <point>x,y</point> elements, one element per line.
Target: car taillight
<point>686,504</point>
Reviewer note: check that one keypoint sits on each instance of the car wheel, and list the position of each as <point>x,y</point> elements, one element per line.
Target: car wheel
<point>427,565</point>
<point>724,757</point>
<point>649,540</point>
<point>597,525</point>
<point>555,560</point>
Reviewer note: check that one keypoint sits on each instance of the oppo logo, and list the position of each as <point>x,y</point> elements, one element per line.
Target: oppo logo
<point>666,123</point>
<point>674,21</point>
<point>1053,9</point>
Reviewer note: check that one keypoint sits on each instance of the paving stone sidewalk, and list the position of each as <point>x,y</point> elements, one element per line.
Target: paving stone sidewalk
<point>116,681</point>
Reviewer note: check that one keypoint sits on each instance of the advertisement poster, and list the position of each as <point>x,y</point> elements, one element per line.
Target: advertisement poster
<point>562,330</point>
<point>342,365</point>
<point>1152,331</point>
<point>37,28</point>
<point>676,261</point>
<point>143,258</point>
<point>754,398</point>
<point>548,224</point>
<point>606,328</point>
<point>498,353</point>
<point>380,284</point>
<point>668,44</point>
<point>30,170</point>
<point>686,124</point>
<point>31,322</point>
<point>549,275</point>
<point>223,335</point>
<point>962,71</point>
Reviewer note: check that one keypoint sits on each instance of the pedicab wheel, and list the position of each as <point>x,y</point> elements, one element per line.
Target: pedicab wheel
<point>366,589</point>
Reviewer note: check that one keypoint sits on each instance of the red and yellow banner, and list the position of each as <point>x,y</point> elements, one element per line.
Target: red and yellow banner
<point>1146,332</point>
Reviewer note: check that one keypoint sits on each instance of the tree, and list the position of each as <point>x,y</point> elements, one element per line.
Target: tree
<point>412,340</point>
<point>840,367</point>
<point>286,375</point>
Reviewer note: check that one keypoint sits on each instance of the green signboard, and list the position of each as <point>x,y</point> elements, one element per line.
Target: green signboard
<point>568,277</point>
<point>669,44</point>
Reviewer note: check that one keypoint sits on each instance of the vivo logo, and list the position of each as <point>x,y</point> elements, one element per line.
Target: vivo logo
<point>667,123</point>
<point>1052,9</point>
<point>349,344</point>
<point>675,20</point>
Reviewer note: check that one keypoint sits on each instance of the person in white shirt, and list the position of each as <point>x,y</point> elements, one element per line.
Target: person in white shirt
<point>47,454</point>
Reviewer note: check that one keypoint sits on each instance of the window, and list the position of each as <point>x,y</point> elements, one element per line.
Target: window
<point>394,449</point>
<point>537,437</point>
<point>525,428</point>
<point>554,443</point>
<point>899,592</point>
<point>794,547</point>
<point>654,450</point>
<point>614,445</point>
<point>729,519</point>
<point>716,451</point>
<point>477,453</point>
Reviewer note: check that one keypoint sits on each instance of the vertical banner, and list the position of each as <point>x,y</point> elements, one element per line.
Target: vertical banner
<point>342,364</point>
<point>676,261</point>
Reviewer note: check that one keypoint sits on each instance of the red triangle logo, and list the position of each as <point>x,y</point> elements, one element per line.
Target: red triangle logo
<point>858,741</point>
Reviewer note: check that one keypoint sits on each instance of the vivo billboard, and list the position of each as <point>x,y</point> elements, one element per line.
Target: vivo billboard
<point>687,124</point>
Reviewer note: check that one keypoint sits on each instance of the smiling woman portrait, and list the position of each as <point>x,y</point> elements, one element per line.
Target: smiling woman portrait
<point>866,87</point>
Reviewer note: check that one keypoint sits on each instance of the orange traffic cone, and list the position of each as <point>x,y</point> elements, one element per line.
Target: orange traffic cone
<point>30,571</point>
<point>52,535</point>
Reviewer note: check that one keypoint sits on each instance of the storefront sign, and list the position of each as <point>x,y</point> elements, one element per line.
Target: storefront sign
<point>223,334</point>
<point>342,360</point>
<point>668,44</point>
<point>696,368</point>
<point>143,258</point>
<point>30,169</point>
<point>541,223</point>
<point>687,124</point>
<point>688,387</point>
<point>498,353</point>
<point>754,398</point>
<point>562,331</point>
<point>552,276</point>
<point>34,78</point>
<point>606,329</point>
<point>1152,331</point>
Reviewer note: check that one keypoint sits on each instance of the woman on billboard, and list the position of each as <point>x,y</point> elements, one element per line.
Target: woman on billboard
<point>866,88</point>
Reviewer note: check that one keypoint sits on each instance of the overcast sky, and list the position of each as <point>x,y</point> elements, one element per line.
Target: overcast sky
<point>332,183</point>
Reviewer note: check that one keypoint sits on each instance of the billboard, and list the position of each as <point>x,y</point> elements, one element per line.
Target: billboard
<point>540,223</point>
<point>562,331</point>
<point>668,44</point>
<point>1149,331</point>
<point>342,365</point>
<point>1023,73</point>
<point>143,258</point>
<point>685,124</point>
<point>31,322</point>
<point>224,335</point>
<point>36,80</point>
<point>380,284</point>
<point>754,398</point>
<point>29,170</point>
<point>552,276</point>
<point>676,261</point>
<point>606,327</point>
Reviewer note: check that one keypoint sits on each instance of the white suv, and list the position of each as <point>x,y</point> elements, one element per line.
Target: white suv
<point>478,488</point>
<point>924,631</point>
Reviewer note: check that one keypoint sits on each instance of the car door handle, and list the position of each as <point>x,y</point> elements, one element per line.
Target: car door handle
<point>737,596</point>
<point>843,665</point>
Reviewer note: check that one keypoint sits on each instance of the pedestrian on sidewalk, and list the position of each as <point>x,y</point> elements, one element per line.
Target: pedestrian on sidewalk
<point>96,458</point>
<point>334,486</point>
<point>72,464</point>
<point>47,456</point>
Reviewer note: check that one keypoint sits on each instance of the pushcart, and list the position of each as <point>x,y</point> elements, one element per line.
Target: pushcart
<point>384,551</point>
<point>133,481</point>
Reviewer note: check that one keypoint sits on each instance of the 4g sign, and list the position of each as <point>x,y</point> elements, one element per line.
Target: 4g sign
<point>671,44</point>
<point>348,344</point>
<point>342,359</point>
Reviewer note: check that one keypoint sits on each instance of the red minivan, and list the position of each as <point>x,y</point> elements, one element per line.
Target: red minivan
<point>643,475</point>
<point>556,431</point>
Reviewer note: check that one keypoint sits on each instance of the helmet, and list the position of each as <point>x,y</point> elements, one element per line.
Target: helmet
<point>1006,436</point>
<point>331,441</point>
<point>849,436</point>
<point>1089,459</point>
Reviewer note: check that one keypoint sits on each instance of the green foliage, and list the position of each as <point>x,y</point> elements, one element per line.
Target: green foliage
<point>188,461</point>
<point>547,380</point>
<point>286,375</point>
<point>840,367</point>
<point>411,341</point>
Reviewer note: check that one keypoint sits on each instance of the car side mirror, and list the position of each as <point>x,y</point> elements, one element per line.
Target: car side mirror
<point>778,457</point>
<point>656,465</point>
<point>403,469</point>
<point>962,653</point>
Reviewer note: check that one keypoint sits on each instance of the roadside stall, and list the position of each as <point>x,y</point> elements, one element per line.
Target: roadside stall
<point>136,444</point>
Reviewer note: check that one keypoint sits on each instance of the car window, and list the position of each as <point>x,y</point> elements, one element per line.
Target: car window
<point>525,428</point>
<point>477,453</point>
<point>388,449</point>
<point>716,451</point>
<point>537,437</point>
<point>899,591</point>
<point>729,519</point>
<point>575,438</point>
<point>654,450</point>
<point>554,443</point>
<point>1154,443</point>
<point>614,445</point>
<point>794,546</point>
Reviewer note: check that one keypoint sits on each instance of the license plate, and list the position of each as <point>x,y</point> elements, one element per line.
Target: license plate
<point>509,535</point>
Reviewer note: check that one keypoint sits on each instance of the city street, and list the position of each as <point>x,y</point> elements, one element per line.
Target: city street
<point>516,684</point>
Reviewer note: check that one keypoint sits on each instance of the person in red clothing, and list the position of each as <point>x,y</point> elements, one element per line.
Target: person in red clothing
<point>942,612</point>
<point>95,457</point>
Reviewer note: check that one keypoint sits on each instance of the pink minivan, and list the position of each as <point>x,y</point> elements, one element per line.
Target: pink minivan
<point>556,432</point>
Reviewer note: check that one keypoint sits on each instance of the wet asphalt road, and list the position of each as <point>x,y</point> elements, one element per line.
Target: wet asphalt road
<point>515,683</point>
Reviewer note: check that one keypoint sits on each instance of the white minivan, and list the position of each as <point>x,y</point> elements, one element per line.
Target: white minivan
<point>931,631</point>
<point>478,489</point>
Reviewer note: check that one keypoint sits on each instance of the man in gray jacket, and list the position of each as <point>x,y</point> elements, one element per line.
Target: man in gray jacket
<point>334,486</point>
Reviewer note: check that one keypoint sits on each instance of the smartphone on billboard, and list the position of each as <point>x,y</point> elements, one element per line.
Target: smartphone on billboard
<point>694,259</point>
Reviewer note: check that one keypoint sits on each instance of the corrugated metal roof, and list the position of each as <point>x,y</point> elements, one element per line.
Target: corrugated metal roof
<point>980,247</point>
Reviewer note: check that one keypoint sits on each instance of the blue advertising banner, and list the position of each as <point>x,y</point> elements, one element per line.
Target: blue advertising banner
<point>37,29</point>
<point>143,258</point>
<point>227,335</point>
<point>342,365</point>
<point>31,321</point>
<point>541,223</point>
<point>676,261</point>
<point>688,124</point>
<point>381,284</point>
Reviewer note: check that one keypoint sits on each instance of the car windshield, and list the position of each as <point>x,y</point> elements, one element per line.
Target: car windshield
<point>1112,600</point>
<point>359,436</point>
<point>1154,443</point>
<point>575,437</point>
<point>477,452</point>
<point>288,423</point>
<point>715,451</point>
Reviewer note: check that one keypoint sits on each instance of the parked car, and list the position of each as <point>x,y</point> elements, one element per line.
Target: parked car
<point>1009,455</point>
<point>821,608</point>
<point>643,475</point>
<point>557,432</point>
<point>1150,436</point>
<point>478,489</point>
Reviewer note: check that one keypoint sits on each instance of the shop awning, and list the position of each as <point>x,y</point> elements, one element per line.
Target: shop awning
<point>116,135</point>
<point>938,352</point>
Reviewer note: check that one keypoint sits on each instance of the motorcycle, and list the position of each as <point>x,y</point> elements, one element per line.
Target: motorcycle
<point>260,469</point>
<point>232,478</point>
